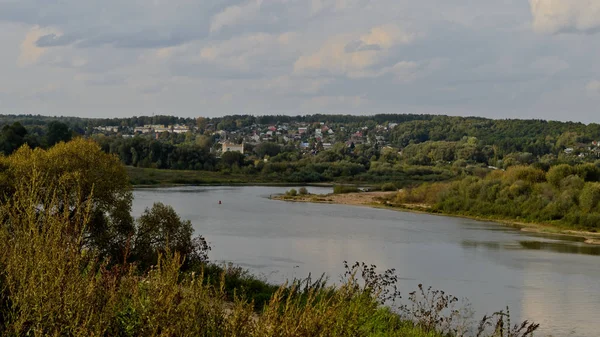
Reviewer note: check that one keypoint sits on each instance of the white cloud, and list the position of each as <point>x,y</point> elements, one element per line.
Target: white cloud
<point>346,55</point>
<point>558,16</point>
<point>233,15</point>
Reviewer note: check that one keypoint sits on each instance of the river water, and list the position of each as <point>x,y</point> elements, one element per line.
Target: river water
<point>549,280</point>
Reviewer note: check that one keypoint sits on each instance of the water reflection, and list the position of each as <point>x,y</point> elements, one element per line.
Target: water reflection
<point>559,247</point>
<point>556,247</point>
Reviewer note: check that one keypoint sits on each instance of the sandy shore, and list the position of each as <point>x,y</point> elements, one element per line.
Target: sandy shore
<point>375,200</point>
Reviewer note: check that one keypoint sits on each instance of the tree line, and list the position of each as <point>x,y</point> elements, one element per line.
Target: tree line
<point>564,195</point>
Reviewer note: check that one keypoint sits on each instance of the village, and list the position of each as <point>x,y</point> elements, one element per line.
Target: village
<point>307,137</point>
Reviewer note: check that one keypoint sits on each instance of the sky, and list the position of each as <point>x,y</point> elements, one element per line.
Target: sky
<point>116,58</point>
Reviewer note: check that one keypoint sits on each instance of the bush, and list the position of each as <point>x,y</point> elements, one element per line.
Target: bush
<point>291,193</point>
<point>303,191</point>
<point>341,189</point>
<point>388,187</point>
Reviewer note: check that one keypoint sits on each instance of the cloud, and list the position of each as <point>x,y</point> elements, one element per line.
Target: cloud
<point>318,6</point>
<point>124,57</point>
<point>550,65</point>
<point>233,15</point>
<point>30,51</point>
<point>121,23</point>
<point>565,16</point>
<point>353,57</point>
<point>339,103</point>
<point>593,88</point>
<point>248,56</point>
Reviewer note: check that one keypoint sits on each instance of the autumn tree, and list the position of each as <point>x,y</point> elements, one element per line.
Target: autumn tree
<point>78,173</point>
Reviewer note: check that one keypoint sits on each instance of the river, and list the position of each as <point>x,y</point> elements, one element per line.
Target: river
<point>549,280</point>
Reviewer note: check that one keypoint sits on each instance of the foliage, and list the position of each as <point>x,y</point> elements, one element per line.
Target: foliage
<point>79,172</point>
<point>57,132</point>
<point>565,195</point>
<point>388,187</point>
<point>267,149</point>
<point>160,229</point>
<point>302,191</point>
<point>342,189</point>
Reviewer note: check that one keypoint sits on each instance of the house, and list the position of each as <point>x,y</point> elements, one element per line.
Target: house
<point>229,147</point>
<point>569,150</point>
<point>327,146</point>
<point>180,128</point>
<point>107,128</point>
<point>272,128</point>
<point>302,130</point>
<point>222,134</point>
<point>142,129</point>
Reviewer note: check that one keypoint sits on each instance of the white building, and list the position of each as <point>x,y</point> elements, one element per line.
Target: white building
<point>142,129</point>
<point>228,147</point>
<point>180,128</point>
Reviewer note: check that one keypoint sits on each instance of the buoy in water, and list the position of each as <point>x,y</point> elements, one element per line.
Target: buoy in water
<point>219,202</point>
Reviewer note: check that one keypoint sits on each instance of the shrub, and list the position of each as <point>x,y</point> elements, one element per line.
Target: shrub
<point>291,193</point>
<point>341,189</point>
<point>303,191</point>
<point>388,187</point>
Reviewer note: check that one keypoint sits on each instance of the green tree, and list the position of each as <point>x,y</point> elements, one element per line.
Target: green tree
<point>267,149</point>
<point>160,229</point>
<point>12,137</point>
<point>557,173</point>
<point>232,158</point>
<point>590,197</point>
<point>58,132</point>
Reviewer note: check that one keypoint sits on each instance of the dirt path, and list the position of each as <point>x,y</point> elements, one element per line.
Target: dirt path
<point>356,199</point>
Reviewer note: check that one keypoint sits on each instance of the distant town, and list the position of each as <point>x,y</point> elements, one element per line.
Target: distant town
<point>308,136</point>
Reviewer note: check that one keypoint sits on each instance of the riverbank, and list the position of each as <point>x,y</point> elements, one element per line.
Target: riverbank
<point>378,200</point>
<point>148,177</point>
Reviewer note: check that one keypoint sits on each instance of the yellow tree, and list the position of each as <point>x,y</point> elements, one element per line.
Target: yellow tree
<point>79,173</point>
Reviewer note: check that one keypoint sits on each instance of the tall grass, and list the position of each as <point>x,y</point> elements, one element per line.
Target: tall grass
<point>52,284</point>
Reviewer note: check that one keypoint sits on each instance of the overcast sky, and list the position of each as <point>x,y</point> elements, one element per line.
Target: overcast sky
<point>492,58</point>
